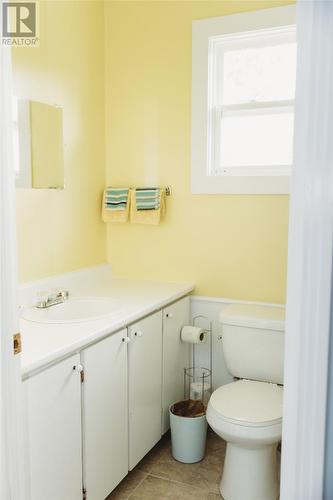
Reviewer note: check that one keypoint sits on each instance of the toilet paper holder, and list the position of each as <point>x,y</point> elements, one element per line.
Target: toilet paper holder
<point>205,373</point>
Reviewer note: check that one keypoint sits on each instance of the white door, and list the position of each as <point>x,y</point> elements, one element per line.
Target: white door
<point>52,406</point>
<point>105,415</point>
<point>145,386</point>
<point>176,355</point>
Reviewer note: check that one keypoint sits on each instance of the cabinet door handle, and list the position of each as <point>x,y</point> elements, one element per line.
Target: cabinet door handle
<point>169,315</point>
<point>126,340</point>
<point>139,333</point>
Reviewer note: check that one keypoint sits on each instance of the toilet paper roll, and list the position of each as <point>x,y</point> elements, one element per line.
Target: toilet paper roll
<point>193,335</point>
<point>196,390</point>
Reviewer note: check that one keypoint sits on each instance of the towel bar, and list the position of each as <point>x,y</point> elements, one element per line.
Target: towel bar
<point>167,190</point>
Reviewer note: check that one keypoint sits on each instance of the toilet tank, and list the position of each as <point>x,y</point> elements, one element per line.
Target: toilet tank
<point>253,341</point>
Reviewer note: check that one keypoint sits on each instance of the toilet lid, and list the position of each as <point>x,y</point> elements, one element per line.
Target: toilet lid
<point>249,402</point>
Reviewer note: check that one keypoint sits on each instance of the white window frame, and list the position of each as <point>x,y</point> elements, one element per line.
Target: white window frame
<point>206,112</point>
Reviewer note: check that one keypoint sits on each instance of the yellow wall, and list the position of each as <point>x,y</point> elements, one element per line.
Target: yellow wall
<point>231,246</point>
<point>59,231</point>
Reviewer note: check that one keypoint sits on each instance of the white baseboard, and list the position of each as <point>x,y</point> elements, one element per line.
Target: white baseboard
<point>223,300</point>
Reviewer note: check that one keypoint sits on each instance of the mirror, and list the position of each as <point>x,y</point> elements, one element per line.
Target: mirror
<point>38,145</point>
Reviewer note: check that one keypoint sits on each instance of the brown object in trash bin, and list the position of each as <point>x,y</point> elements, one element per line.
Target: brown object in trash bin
<point>189,408</point>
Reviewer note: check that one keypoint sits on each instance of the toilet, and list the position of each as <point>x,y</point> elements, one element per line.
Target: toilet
<point>247,413</point>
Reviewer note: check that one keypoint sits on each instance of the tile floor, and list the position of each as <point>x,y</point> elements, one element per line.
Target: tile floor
<point>159,476</point>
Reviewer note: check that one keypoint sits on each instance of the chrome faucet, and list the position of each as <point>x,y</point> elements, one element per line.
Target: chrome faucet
<point>52,299</point>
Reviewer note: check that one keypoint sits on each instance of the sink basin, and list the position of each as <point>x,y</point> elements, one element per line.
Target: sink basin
<point>74,310</point>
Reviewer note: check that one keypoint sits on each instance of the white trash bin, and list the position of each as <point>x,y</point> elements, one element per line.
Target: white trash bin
<point>188,437</point>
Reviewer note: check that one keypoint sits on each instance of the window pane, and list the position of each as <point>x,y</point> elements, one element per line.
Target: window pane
<point>263,139</point>
<point>259,74</point>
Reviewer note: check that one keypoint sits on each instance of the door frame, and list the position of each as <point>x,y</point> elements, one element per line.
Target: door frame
<point>309,290</point>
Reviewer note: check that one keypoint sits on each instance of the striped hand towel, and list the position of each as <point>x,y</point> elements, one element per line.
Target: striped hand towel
<point>116,198</point>
<point>147,205</point>
<point>115,204</point>
<point>147,198</point>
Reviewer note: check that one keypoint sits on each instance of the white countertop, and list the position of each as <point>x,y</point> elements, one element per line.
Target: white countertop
<point>43,344</point>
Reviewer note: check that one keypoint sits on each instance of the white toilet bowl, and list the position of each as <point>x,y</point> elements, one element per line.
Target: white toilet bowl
<point>248,416</point>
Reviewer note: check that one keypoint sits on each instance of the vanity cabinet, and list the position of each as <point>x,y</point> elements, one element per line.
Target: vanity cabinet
<point>52,406</point>
<point>176,356</point>
<point>105,415</point>
<point>93,416</point>
<point>144,386</point>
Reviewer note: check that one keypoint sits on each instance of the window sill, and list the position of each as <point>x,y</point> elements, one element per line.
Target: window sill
<point>279,184</point>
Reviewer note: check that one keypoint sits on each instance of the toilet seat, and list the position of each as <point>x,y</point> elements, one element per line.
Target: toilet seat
<point>248,403</point>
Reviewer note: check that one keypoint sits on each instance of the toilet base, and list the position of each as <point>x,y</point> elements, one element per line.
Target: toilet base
<point>250,473</point>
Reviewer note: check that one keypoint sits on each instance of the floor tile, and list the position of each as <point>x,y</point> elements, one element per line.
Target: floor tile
<point>215,444</point>
<point>162,447</point>
<point>128,485</point>
<point>160,476</point>
<point>205,474</point>
<point>153,488</point>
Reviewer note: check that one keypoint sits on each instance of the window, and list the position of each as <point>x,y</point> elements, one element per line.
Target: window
<point>243,102</point>
<point>252,82</point>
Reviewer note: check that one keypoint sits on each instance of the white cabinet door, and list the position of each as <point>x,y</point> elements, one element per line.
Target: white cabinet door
<point>145,386</point>
<point>52,418</point>
<point>176,355</point>
<point>105,415</point>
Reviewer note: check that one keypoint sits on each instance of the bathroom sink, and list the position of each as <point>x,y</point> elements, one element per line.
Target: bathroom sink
<point>74,310</point>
